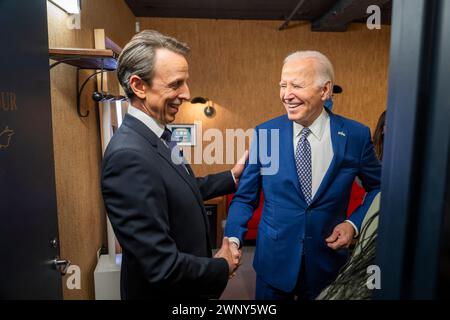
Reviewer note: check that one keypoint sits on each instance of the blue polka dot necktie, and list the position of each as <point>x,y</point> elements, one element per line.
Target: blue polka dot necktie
<point>303,162</point>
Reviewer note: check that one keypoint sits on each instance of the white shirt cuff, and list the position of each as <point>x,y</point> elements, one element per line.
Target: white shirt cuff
<point>354,227</point>
<point>234,178</point>
<point>235,240</point>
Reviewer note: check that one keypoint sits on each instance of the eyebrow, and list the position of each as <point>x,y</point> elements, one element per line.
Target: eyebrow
<point>295,81</point>
<point>176,82</point>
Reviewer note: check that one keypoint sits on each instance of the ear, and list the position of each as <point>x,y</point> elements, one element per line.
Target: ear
<point>326,91</point>
<point>138,86</point>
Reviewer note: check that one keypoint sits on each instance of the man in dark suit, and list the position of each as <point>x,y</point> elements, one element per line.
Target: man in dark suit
<point>303,233</point>
<point>155,203</point>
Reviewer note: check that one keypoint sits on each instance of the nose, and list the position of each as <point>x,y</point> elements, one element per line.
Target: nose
<point>287,93</point>
<point>185,93</point>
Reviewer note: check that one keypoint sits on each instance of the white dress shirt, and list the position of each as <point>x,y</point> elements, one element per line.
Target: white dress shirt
<point>321,153</point>
<point>321,148</point>
<point>156,127</point>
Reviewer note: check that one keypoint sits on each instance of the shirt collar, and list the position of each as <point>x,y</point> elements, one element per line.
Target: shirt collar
<point>150,122</point>
<point>317,127</point>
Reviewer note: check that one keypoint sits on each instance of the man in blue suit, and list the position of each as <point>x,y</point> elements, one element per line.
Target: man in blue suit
<point>303,234</point>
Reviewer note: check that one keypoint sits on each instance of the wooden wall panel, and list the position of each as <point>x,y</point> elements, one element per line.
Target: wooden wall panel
<point>76,140</point>
<point>237,64</point>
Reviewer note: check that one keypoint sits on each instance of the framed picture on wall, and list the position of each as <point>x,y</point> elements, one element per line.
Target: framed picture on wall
<point>183,134</point>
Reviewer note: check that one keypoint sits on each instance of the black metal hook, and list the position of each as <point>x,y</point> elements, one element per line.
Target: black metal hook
<point>80,89</point>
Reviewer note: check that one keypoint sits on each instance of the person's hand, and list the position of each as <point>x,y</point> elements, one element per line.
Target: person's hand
<point>237,254</point>
<point>226,252</point>
<point>239,166</point>
<point>342,236</point>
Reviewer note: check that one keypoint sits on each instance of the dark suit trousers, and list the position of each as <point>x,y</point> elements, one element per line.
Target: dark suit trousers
<point>265,291</point>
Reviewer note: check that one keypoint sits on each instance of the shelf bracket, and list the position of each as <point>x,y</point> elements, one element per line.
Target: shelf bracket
<point>86,59</point>
<point>80,90</point>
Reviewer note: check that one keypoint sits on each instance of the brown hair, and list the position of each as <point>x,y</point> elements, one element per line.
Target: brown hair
<point>378,136</point>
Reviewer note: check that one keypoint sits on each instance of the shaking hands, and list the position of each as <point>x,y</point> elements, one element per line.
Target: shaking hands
<point>231,253</point>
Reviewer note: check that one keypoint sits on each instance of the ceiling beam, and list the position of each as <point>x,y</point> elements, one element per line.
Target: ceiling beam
<point>293,13</point>
<point>343,13</point>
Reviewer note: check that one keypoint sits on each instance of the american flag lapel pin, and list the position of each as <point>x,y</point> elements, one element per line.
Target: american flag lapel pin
<point>341,133</point>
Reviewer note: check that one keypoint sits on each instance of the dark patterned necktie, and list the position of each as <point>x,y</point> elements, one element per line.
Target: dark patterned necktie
<point>303,162</point>
<point>167,137</point>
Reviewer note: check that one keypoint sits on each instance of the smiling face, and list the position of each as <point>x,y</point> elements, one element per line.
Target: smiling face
<point>169,86</point>
<point>300,93</point>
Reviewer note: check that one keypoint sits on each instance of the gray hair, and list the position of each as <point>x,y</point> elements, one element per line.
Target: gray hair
<point>324,70</point>
<point>138,57</point>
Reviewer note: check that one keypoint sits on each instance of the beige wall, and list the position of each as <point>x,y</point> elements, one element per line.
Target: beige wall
<point>76,140</point>
<point>237,64</point>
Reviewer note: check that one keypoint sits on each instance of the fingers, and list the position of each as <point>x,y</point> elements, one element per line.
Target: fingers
<point>230,253</point>
<point>233,273</point>
<point>342,240</point>
<point>237,254</point>
<point>225,243</point>
<point>244,158</point>
<point>337,239</point>
<point>342,236</point>
<point>336,244</point>
<point>237,262</point>
<point>333,237</point>
<point>239,166</point>
<point>224,250</point>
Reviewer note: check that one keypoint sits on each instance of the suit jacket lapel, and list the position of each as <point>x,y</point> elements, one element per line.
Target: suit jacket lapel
<point>190,180</point>
<point>163,151</point>
<point>338,140</point>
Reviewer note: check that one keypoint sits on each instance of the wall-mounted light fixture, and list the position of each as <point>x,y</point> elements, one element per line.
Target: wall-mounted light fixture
<point>337,89</point>
<point>69,6</point>
<point>209,110</point>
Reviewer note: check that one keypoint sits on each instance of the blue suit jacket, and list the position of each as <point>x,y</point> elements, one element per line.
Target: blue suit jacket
<point>288,226</point>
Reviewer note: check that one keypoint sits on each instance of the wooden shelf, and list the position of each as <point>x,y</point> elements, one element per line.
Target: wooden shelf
<point>86,58</point>
<point>100,60</point>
